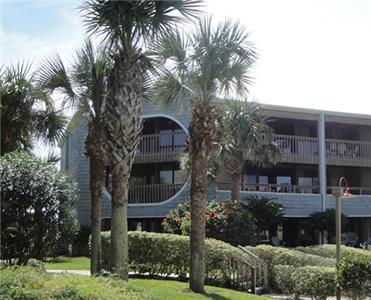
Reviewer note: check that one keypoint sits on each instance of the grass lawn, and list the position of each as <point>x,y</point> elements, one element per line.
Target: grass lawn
<point>68,263</point>
<point>169,290</point>
<point>153,289</point>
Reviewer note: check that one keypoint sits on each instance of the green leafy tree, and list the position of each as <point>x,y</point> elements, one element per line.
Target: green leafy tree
<point>27,113</point>
<point>37,214</point>
<point>196,68</point>
<point>84,88</point>
<point>244,136</point>
<point>128,26</point>
<point>267,213</point>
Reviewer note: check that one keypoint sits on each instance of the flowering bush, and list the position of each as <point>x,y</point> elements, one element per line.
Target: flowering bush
<point>226,221</point>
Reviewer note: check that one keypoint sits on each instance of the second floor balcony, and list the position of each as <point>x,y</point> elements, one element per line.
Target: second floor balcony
<point>161,147</point>
<point>305,150</point>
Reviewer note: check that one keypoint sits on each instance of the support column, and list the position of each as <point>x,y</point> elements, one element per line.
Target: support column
<point>322,166</point>
<point>322,160</point>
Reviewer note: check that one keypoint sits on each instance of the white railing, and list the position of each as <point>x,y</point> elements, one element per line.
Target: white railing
<point>152,193</point>
<point>299,149</point>
<point>283,188</point>
<point>164,146</point>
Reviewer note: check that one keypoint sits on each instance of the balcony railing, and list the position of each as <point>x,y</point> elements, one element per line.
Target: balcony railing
<point>160,147</point>
<point>300,189</point>
<point>152,193</point>
<point>299,149</point>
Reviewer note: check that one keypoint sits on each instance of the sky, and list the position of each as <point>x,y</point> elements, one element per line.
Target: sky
<point>312,53</point>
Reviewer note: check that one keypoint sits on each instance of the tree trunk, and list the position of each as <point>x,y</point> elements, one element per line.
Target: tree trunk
<point>96,150</point>
<point>123,125</point>
<point>201,139</point>
<point>236,186</point>
<point>119,224</point>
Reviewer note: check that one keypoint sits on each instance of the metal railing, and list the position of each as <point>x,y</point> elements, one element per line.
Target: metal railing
<point>283,188</point>
<point>300,149</point>
<point>160,147</point>
<point>152,193</point>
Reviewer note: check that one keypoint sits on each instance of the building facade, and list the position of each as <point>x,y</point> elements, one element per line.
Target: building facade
<point>317,148</point>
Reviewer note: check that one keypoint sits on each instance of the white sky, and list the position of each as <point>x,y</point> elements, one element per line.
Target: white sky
<point>312,53</point>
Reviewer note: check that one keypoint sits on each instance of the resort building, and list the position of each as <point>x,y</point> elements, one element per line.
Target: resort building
<point>317,148</point>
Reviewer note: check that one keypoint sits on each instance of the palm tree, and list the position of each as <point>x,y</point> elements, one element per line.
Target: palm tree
<point>85,89</point>
<point>127,26</point>
<point>209,62</point>
<point>27,113</point>
<point>244,136</point>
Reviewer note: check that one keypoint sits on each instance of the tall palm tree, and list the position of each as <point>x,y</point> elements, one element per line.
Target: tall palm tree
<point>244,136</point>
<point>127,26</point>
<point>84,87</point>
<point>27,113</point>
<point>209,62</point>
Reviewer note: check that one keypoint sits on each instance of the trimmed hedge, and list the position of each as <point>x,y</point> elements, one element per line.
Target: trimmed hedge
<point>329,251</point>
<point>160,254</point>
<point>354,276</point>
<point>316,282</point>
<point>274,256</point>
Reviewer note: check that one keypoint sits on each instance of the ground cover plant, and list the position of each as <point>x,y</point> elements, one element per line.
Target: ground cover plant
<point>35,283</point>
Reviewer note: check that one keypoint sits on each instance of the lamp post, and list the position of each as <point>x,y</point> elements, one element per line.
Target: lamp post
<point>338,195</point>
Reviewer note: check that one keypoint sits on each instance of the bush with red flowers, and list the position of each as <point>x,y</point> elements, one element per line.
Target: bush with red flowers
<point>227,221</point>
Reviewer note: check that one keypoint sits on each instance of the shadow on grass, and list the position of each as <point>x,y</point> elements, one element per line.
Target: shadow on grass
<point>209,295</point>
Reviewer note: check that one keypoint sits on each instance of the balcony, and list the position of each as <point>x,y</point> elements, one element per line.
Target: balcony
<point>161,147</point>
<point>292,189</point>
<point>305,150</point>
<point>153,193</point>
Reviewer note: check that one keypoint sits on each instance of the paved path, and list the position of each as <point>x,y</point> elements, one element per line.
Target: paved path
<point>76,272</point>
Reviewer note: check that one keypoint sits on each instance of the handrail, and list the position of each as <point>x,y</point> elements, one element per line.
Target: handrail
<point>258,260</point>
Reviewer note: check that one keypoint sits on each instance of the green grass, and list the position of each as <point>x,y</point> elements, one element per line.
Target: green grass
<point>68,263</point>
<point>169,290</point>
<point>34,283</point>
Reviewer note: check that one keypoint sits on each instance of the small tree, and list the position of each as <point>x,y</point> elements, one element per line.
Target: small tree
<point>37,215</point>
<point>267,213</point>
<point>325,221</point>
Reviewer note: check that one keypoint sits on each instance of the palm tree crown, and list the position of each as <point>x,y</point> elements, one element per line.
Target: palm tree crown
<point>27,112</point>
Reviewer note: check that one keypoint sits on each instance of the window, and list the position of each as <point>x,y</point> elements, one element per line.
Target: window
<point>263,184</point>
<point>283,184</point>
<point>166,177</point>
<point>249,182</point>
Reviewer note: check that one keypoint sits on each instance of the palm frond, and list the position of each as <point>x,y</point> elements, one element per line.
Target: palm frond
<point>126,23</point>
<point>52,76</point>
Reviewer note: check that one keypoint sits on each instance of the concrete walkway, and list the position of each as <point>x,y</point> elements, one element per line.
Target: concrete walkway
<point>75,272</point>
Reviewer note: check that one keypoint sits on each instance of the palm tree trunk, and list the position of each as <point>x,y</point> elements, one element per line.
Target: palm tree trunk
<point>236,186</point>
<point>96,150</point>
<point>201,139</point>
<point>119,223</point>
<point>123,126</point>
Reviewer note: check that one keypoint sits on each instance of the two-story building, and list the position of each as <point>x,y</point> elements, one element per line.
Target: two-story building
<point>317,148</point>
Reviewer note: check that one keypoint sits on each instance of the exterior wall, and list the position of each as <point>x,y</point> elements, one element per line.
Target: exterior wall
<point>303,205</point>
<point>297,205</point>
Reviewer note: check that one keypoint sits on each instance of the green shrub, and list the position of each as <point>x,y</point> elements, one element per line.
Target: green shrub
<point>329,251</point>
<point>30,283</point>
<point>167,254</point>
<point>37,208</point>
<point>227,221</point>
<point>274,256</point>
<point>316,282</point>
<point>354,276</point>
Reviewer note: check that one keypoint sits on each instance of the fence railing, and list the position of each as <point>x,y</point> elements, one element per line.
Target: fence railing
<point>152,193</point>
<point>159,147</point>
<point>283,188</point>
<point>300,149</point>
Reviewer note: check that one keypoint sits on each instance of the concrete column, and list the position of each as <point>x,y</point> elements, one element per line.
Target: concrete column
<point>322,159</point>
